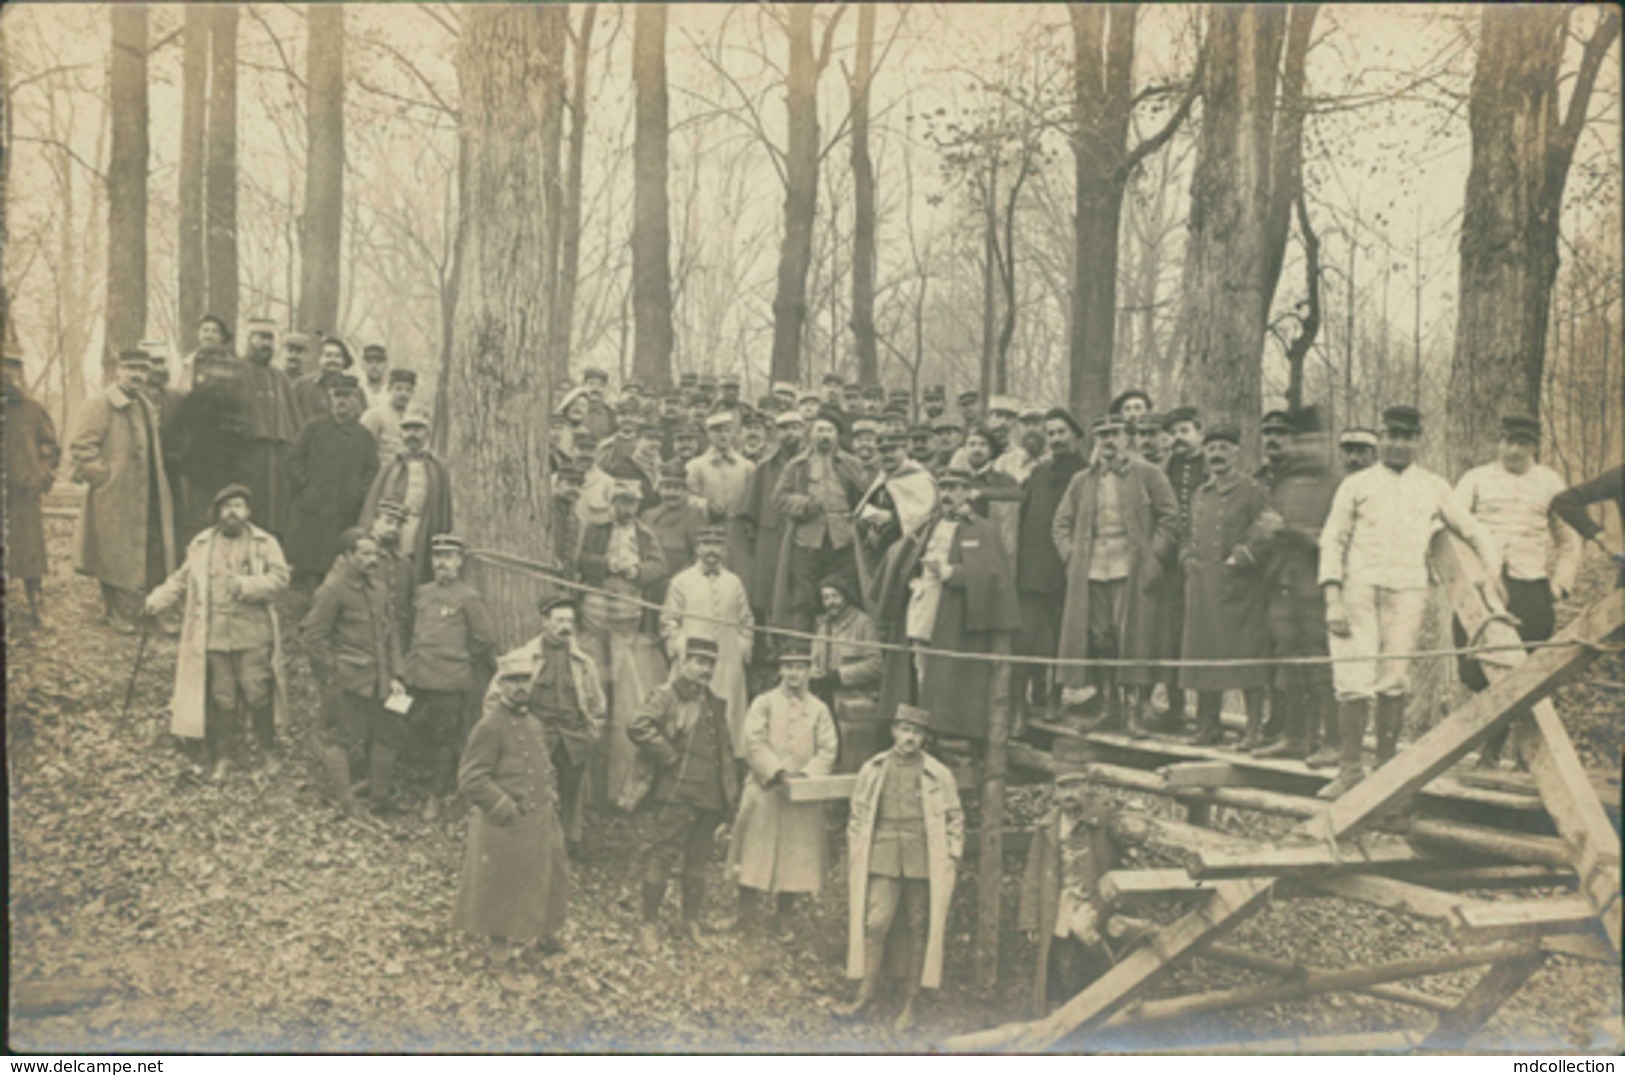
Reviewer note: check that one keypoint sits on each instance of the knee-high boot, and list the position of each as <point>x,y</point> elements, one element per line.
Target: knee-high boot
<point>1390,720</point>
<point>1324,713</point>
<point>1352,716</point>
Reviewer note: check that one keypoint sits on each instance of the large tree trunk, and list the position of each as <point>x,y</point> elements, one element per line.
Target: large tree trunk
<point>552,86</point>
<point>570,242</point>
<point>863,192</point>
<point>127,187</point>
<point>499,390</point>
<point>192,282</point>
<point>1521,153</point>
<point>651,227</point>
<point>321,238</point>
<point>1226,291</point>
<point>801,195</point>
<point>220,165</point>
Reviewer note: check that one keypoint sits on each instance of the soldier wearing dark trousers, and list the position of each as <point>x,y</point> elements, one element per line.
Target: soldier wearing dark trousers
<point>353,653</point>
<point>452,636</point>
<point>682,730</point>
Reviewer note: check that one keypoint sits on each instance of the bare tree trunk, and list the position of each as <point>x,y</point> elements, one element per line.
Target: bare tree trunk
<point>191,279</point>
<point>863,190</point>
<point>220,165</point>
<point>570,241</point>
<point>553,87</point>
<point>1227,292</point>
<point>651,226</point>
<point>127,187</point>
<point>1297,351</point>
<point>1521,151</point>
<point>499,395</point>
<point>1286,152</point>
<point>801,186</point>
<point>322,233</point>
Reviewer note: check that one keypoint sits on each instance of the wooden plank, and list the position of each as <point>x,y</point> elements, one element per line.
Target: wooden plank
<point>1581,946</point>
<point>1517,782</point>
<point>1130,886</point>
<point>1482,919</point>
<point>1232,901</point>
<point>1400,897</point>
<point>990,875</point>
<point>1214,862</point>
<point>1201,774</point>
<point>1482,1001</point>
<point>1255,961</point>
<point>813,789</point>
<point>1378,1041</point>
<point>1513,846</point>
<point>1539,736</point>
<point>1485,877</point>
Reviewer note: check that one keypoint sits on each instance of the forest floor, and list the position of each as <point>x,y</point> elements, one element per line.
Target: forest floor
<point>249,915</point>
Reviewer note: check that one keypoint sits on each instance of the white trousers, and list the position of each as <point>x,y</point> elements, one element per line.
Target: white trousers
<point>1381,622</point>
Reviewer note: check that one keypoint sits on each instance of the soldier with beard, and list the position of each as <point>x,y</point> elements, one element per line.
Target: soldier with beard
<point>273,423</point>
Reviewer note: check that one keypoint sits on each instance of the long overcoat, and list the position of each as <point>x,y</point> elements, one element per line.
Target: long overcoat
<point>112,453</point>
<point>762,509</point>
<point>791,499</point>
<point>1040,574</point>
<point>944,844</point>
<point>978,603</point>
<point>265,577</point>
<point>1151,519</point>
<point>32,453</point>
<point>329,471</point>
<point>778,845</point>
<point>1226,595</point>
<point>390,484</point>
<point>516,876</point>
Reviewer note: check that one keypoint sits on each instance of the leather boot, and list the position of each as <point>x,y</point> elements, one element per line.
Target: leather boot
<point>1141,716</point>
<point>1209,729</point>
<point>1390,720</point>
<point>1253,737</point>
<point>693,891</point>
<point>1351,721</point>
<point>1293,732</point>
<point>336,767</point>
<point>1323,713</point>
<point>873,959</point>
<point>381,778</point>
<point>1172,721</point>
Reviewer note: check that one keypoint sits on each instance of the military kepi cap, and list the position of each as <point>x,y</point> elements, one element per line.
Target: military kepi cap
<point>1402,419</point>
<point>1520,427</point>
<point>235,489</point>
<point>1223,431</point>
<point>700,647</point>
<point>1358,437</point>
<point>912,714</point>
<point>134,357</point>
<point>1277,420</point>
<point>447,543</point>
<point>513,666</point>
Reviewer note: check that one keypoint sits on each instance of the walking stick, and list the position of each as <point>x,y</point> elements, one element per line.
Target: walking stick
<point>140,653</point>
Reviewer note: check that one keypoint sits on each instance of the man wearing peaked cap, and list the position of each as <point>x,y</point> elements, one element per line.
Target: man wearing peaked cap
<point>814,497</point>
<point>384,420</point>
<point>904,842</point>
<point>762,507</point>
<point>1374,573</point>
<point>686,770</point>
<point>676,522</point>
<point>1511,497</point>
<point>1358,448</point>
<point>419,480</point>
<point>125,535</point>
<point>846,667</point>
<point>721,477</point>
<point>273,419</point>
<point>1275,430</point>
<point>375,374</point>
<point>32,455</point>
<point>452,636</point>
<point>780,848</point>
<point>707,600</point>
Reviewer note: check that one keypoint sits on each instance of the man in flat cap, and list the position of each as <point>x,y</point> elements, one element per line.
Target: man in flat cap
<point>374,375</point>
<point>600,419</point>
<point>212,332</point>
<point>765,515</point>
<point>125,537</point>
<point>1511,497</point>
<point>418,480</point>
<point>228,667</point>
<point>721,477</point>
<point>273,423</point>
<point>32,454</point>
<point>1374,573</point>
<point>687,773</point>
<point>453,643</point>
<point>384,423</point>
<point>1225,597</point>
<point>332,466</point>
<point>866,445</point>
<point>310,392</point>
<point>1040,571</point>
<point>1275,431</point>
<point>970,407</point>
<point>1131,405</point>
<point>620,558</point>
<point>815,495</point>
<point>1358,448</point>
<point>846,667</point>
<point>905,836</point>
<point>1116,529</point>
<point>780,848</point>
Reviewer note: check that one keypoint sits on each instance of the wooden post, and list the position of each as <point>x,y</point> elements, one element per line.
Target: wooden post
<point>990,861</point>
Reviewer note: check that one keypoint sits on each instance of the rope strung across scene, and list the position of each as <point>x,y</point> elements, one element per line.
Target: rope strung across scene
<point>510,562</point>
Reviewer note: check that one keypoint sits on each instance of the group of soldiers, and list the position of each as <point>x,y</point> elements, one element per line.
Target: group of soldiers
<point>893,557</point>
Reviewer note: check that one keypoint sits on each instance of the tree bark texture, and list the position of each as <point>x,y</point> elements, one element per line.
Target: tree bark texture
<point>863,194</point>
<point>570,240</point>
<point>801,195</point>
<point>220,165</point>
<point>323,220</point>
<point>552,85</point>
<point>499,390</point>
<point>1226,290</point>
<point>651,226</point>
<point>1521,151</point>
<point>127,186</point>
<point>192,282</point>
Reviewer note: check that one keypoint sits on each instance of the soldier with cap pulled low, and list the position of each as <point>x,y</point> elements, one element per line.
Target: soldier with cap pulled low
<point>330,469</point>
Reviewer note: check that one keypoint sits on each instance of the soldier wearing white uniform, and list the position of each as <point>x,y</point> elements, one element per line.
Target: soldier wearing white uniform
<point>1374,572</point>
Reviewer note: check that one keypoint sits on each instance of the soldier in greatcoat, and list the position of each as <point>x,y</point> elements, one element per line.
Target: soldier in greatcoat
<point>516,877</point>
<point>32,454</point>
<point>687,772</point>
<point>846,668</point>
<point>1040,573</point>
<point>228,669</point>
<point>778,847</point>
<point>330,469</point>
<point>126,537</point>
<point>905,837</point>
<point>419,482</point>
